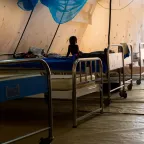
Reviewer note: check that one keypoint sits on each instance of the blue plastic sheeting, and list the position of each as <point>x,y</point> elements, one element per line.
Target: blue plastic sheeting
<point>27,4</point>
<point>57,64</point>
<point>62,11</point>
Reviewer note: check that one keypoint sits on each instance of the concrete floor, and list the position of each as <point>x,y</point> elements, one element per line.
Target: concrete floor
<point>121,123</point>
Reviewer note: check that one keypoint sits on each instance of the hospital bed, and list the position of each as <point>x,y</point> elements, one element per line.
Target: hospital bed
<point>17,86</point>
<point>128,61</point>
<point>79,81</point>
<point>117,62</point>
<point>114,61</point>
<point>71,78</point>
<point>63,76</point>
<point>113,64</point>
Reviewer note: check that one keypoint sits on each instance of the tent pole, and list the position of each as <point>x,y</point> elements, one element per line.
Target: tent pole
<point>53,38</point>
<point>57,29</point>
<point>23,33</point>
<point>109,30</point>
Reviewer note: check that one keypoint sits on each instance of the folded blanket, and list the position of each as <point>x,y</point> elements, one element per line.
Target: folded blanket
<point>126,50</point>
<point>38,52</point>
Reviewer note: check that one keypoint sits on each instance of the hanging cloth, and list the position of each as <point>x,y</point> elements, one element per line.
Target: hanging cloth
<point>62,11</point>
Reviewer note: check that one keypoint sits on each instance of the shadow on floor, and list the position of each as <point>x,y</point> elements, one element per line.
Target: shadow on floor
<point>122,122</point>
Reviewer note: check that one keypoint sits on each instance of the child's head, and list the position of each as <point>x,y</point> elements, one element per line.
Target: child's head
<point>73,40</point>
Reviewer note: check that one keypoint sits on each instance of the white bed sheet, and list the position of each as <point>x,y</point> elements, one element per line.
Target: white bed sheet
<point>64,82</point>
<point>61,85</point>
<point>127,60</point>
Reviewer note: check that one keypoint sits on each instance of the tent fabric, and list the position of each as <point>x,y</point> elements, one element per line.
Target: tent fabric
<point>62,11</point>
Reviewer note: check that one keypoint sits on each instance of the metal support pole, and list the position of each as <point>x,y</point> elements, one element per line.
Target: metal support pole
<point>23,33</point>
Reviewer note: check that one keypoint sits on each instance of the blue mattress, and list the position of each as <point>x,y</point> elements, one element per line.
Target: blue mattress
<point>55,64</point>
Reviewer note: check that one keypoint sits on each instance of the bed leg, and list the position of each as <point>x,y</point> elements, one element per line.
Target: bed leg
<point>123,93</point>
<point>139,80</point>
<point>131,66</point>
<point>50,138</point>
<point>131,85</point>
<point>107,101</point>
<point>109,89</point>
<point>74,100</point>
<point>74,113</point>
<point>119,77</point>
<point>74,107</point>
<point>45,141</point>
<point>101,98</point>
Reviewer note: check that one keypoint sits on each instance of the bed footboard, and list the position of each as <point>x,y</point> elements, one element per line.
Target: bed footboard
<point>18,88</point>
<point>91,64</point>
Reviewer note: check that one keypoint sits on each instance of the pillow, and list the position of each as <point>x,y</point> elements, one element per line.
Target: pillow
<point>37,51</point>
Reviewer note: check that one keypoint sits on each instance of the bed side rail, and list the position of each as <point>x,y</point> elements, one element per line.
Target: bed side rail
<point>87,70</point>
<point>20,61</point>
<point>8,54</point>
<point>92,64</point>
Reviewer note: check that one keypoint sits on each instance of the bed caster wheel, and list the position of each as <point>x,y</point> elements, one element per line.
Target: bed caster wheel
<point>74,126</point>
<point>107,102</point>
<point>138,82</point>
<point>101,112</point>
<point>45,141</point>
<point>129,87</point>
<point>123,94</point>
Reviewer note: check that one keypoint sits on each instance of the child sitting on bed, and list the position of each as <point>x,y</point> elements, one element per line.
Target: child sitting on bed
<point>73,48</point>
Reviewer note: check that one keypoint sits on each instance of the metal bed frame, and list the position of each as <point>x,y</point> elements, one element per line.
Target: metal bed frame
<point>74,88</point>
<point>120,67</point>
<point>88,63</point>
<point>138,82</point>
<point>47,97</point>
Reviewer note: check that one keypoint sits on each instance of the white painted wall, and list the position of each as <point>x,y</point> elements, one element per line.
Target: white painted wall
<point>12,22</point>
<point>127,25</point>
